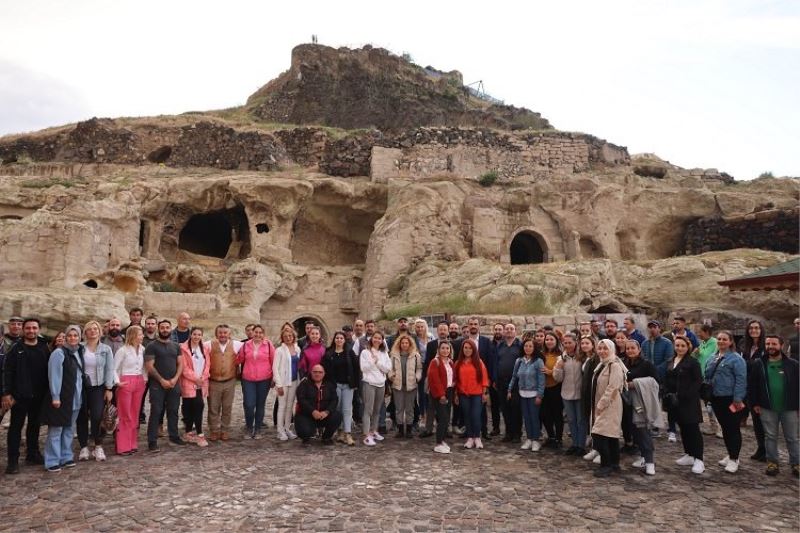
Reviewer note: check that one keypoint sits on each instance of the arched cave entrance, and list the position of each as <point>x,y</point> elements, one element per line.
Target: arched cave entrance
<point>528,248</point>
<point>300,326</point>
<point>215,234</point>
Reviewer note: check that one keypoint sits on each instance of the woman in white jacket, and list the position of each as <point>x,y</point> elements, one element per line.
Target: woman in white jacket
<point>375,364</point>
<point>285,372</point>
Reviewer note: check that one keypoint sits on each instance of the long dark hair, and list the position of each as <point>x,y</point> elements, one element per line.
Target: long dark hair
<point>476,359</point>
<point>557,348</point>
<point>189,340</point>
<point>332,346</point>
<point>747,342</point>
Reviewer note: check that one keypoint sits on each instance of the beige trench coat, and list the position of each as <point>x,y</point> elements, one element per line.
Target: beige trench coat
<point>607,406</point>
<point>413,371</point>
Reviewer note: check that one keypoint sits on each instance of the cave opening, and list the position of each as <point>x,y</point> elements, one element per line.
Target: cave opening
<point>217,234</point>
<point>526,249</point>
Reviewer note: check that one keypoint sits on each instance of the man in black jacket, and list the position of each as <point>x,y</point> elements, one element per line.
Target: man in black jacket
<point>24,388</point>
<point>774,389</point>
<point>507,353</point>
<point>317,400</point>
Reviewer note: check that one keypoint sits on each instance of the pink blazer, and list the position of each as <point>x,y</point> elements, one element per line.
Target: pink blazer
<point>257,367</point>
<point>188,377</point>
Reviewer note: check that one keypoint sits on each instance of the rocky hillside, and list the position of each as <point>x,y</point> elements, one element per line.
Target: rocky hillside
<point>373,88</point>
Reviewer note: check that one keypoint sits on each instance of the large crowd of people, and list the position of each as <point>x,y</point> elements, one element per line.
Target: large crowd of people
<point>611,385</point>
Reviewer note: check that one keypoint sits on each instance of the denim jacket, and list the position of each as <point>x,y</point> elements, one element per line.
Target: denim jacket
<point>529,375</point>
<point>730,379</point>
<point>104,374</point>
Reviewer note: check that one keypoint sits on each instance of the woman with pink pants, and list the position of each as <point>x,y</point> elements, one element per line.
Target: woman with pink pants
<point>130,376</point>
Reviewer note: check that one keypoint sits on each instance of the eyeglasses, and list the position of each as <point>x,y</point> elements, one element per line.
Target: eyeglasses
<point>316,371</point>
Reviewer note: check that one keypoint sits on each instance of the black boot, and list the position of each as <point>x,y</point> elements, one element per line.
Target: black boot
<point>401,431</point>
<point>760,455</point>
<point>409,432</point>
<point>13,466</point>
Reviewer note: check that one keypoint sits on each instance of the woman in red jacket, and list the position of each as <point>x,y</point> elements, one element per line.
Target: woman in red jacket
<point>441,379</point>
<point>472,384</point>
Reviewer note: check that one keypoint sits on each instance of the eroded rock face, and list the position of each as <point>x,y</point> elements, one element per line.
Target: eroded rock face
<point>600,286</point>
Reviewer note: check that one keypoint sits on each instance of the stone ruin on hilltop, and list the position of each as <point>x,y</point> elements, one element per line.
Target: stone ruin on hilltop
<point>437,194</point>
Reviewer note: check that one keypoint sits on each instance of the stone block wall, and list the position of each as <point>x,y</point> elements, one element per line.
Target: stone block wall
<point>305,146</point>
<point>210,145</point>
<point>350,156</point>
<point>773,229</point>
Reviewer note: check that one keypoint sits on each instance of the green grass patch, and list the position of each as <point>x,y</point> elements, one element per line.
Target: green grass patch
<point>46,183</point>
<point>487,179</point>
<point>459,304</point>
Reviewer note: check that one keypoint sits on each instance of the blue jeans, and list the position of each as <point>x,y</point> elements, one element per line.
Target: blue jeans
<point>471,408</point>
<point>787,419</point>
<point>530,416</point>
<point>577,422</point>
<point>254,395</point>
<point>58,446</point>
<point>345,406</point>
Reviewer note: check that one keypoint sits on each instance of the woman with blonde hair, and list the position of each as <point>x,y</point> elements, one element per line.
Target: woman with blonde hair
<point>130,376</point>
<point>98,367</point>
<point>286,373</point>
<point>405,374</point>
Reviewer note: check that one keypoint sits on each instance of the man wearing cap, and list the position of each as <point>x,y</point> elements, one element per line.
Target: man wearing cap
<point>25,386</point>
<point>402,327</point>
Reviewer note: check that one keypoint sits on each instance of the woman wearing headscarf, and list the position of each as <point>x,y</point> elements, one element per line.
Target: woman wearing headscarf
<point>60,410</point>
<point>608,381</point>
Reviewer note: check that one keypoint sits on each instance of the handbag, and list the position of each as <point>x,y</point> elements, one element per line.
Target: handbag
<point>670,402</point>
<point>110,418</point>
<point>706,389</point>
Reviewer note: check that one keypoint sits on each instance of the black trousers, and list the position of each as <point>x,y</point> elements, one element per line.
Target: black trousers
<point>608,447</point>
<point>627,423</point>
<point>758,426</point>
<point>91,411</point>
<point>729,422</point>
<point>193,413</point>
<point>512,412</point>
<point>552,412</point>
<point>163,400</point>
<point>495,407</point>
<point>442,415</point>
<point>24,408</point>
<point>692,440</point>
<point>306,426</point>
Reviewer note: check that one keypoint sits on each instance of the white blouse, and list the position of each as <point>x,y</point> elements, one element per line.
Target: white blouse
<point>129,362</point>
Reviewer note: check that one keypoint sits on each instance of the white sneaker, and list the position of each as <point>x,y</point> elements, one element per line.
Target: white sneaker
<point>650,469</point>
<point>671,437</point>
<point>84,454</point>
<point>536,446</point>
<point>597,460</point>
<point>478,444</point>
<point>698,467</point>
<point>638,463</point>
<point>724,461</point>
<point>440,448</point>
<point>591,455</point>
<point>470,443</point>
<point>282,435</point>
<point>99,454</point>
<point>291,434</point>
<point>732,466</point>
<point>369,441</point>
<point>686,460</point>
<point>526,445</point>
<point>378,437</point>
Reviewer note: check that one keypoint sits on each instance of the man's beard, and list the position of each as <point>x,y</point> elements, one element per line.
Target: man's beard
<point>164,337</point>
<point>453,335</point>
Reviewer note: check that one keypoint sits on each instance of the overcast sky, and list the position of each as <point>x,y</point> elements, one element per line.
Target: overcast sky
<point>701,83</point>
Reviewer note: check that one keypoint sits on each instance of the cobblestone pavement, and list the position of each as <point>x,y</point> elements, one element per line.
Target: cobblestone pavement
<point>400,485</point>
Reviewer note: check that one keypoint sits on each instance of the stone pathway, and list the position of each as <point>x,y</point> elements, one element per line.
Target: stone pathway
<point>400,485</point>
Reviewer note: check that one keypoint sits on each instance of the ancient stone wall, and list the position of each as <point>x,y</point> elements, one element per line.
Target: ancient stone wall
<point>473,152</point>
<point>774,229</point>
<point>350,156</point>
<point>305,146</point>
<point>210,145</point>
